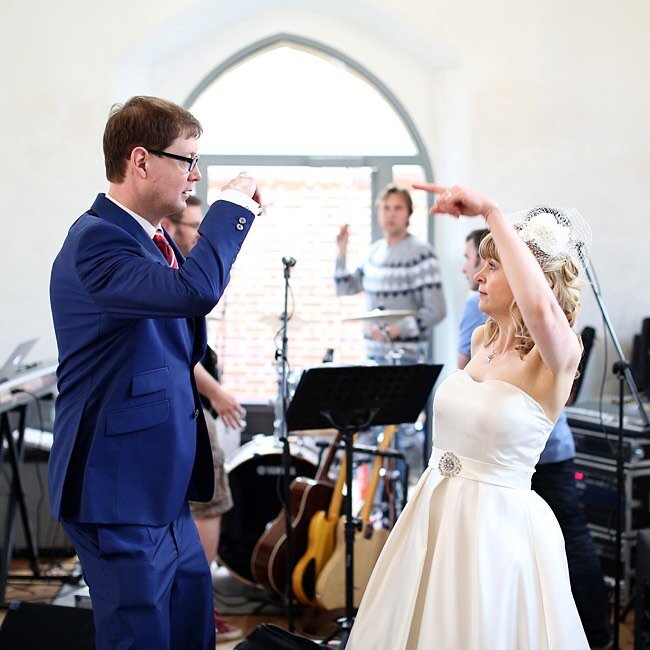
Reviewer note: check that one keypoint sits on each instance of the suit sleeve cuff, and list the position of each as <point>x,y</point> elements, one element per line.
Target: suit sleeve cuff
<point>239,198</point>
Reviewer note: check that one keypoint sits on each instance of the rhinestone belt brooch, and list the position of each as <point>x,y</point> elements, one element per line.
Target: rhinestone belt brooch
<point>449,464</point>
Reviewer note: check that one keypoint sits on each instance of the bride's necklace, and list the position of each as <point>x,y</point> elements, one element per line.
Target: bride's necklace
<point>494,352</point>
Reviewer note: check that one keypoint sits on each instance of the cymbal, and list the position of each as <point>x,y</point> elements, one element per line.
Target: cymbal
<point>275,321</point>
<point>382,314</point>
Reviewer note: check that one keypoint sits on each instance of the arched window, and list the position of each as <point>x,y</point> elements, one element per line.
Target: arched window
<point>323,137</point>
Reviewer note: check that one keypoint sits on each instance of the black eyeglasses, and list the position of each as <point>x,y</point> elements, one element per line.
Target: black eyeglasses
<point>191,162</point>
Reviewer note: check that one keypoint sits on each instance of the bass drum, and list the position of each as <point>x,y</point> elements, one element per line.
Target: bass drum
<point>254,473</point>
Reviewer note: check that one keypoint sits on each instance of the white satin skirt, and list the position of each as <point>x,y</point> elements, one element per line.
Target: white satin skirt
<point>475,562</point>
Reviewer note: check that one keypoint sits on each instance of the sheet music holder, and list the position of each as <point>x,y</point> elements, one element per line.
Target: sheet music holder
<point>352,394</point>
<point>350,399</point>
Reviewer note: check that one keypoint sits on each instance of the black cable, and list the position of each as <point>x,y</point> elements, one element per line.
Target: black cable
<point>601,396</point>
<point>280,491</point>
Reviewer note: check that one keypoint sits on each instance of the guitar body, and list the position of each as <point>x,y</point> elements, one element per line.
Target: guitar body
<point>268,562</point>
<point>320,546</point>
<point>330,585</point>
<point>368,543</point>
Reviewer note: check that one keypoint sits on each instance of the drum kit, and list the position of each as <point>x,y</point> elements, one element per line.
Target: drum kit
<point>255,468</point>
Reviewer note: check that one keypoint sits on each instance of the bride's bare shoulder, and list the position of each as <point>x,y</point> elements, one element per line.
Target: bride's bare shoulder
<point>477,339</point>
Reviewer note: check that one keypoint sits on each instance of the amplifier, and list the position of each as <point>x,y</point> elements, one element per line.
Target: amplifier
<point>596,482</point>
<point>642,593</point>
<point>601,446</point>
<point>599,442</point>
<point>605,544</point>
<point>604,416</point>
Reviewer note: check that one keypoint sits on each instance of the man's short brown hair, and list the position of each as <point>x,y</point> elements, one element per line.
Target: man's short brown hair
<point>147,122</point>
<point>400,191</point>
<point>477,236</point>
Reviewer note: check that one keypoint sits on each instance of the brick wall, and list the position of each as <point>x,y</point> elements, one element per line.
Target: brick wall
<point>303,210</point>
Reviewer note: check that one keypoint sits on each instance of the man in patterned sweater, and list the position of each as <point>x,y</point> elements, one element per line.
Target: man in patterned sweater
<point>401,272</point>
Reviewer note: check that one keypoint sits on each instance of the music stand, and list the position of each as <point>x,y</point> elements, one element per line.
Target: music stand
<point>350,399</point>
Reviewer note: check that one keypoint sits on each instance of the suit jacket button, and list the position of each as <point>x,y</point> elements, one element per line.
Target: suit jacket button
<point>240,227</point>
<point>195,415</point>
<point>242,219</point>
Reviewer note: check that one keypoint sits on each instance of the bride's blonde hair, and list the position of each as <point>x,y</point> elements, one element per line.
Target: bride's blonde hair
<point>562,276</point>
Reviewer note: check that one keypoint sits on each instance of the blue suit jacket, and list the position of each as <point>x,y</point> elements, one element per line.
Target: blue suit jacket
<point>130,441</point>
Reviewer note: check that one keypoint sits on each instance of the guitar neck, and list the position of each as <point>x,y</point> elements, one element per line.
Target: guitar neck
<point>331,452</point>
<point>337,496</point>
<point>388,434</point>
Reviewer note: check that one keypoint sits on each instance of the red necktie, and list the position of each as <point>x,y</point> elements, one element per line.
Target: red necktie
<point>165,249</point>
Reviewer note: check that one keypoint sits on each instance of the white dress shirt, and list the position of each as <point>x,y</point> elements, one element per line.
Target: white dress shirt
<point>232,196</point>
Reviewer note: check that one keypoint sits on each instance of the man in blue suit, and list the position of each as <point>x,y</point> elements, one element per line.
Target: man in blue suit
<point>130,441</point>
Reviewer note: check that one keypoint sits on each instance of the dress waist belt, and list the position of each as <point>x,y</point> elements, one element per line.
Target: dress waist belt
<point>451,465</point>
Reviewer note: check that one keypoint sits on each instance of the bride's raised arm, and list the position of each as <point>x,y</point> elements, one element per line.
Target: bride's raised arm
<point>540,310</point>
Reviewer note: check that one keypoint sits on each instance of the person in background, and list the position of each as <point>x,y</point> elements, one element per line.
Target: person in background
<point>400,272</point>
<point>472,316</point>
<point>183,228</point>
<point>553,480</point>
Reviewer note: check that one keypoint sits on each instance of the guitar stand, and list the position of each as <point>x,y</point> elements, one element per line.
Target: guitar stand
<point>351,399</point>
<point>352,524</point>
<point>370,450</point>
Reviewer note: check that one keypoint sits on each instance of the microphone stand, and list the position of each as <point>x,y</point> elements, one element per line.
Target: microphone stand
<point>288,262</point>
<point>622,370</point>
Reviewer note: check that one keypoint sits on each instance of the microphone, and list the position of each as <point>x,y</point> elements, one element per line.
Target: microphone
<point>289,261</point>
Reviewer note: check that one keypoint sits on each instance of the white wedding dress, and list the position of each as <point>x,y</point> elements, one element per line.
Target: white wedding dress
<point>476,561</point>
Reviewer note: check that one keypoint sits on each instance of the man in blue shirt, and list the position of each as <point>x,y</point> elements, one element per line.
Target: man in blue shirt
<point>553,480</point>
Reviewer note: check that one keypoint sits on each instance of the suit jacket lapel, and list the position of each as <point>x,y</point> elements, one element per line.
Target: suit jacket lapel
<point>106,209</point>
<point>196,325</point>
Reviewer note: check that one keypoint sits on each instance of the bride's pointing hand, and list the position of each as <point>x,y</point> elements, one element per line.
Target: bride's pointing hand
<point>457,200</point>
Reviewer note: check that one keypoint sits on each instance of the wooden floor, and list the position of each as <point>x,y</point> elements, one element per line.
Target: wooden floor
<point>27,590</point>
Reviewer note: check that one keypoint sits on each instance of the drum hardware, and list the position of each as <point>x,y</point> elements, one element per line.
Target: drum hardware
<point>381,315</point>
<point>288,263</point>
<point>275,321</point>
<point>394,355</point>
<point>291,381</point>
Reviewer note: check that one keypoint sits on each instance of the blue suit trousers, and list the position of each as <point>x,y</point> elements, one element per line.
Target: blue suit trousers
<point>150,586</point>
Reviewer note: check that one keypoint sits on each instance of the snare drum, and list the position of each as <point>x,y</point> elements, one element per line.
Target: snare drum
<point>255,473</point>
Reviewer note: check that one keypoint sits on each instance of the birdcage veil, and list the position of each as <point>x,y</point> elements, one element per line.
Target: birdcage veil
<point>554,233</point>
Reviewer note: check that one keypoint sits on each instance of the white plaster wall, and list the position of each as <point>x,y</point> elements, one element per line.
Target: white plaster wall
<point>532,101</point>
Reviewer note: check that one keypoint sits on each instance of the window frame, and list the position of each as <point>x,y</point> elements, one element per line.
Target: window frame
<point>382,166</point>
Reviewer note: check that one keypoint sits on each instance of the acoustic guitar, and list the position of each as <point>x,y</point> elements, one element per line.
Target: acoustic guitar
<point>368,543</point>
<point>307,497</point>
<point>320,545</point>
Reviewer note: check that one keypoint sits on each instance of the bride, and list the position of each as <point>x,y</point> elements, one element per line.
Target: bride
<point>477,560</point>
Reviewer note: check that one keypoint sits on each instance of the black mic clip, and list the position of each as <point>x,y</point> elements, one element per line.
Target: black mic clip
<point>289,261</point>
